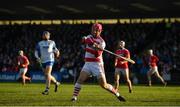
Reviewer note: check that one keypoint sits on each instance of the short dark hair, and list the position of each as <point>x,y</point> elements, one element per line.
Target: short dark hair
<point>45,33</point>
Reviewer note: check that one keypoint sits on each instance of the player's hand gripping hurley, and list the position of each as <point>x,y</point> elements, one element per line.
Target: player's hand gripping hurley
<point>127,59</point>
<point>97,46</point>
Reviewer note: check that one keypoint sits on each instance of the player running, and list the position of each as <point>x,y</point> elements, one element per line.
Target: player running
<point>45,52</point>
<point>121,66</point>
<point>153,59</point>
<point>94,63</point>
<point>23,63</point>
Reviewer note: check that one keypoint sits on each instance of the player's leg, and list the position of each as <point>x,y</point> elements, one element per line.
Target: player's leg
<point>23,77</point>
<point>159,76</point>
<point>47,72</point>
<point>116,79</point>
<point>77,87</point>
<point>100,73</point>
<point>103,83</point>
<point>26,78</point>
<point>53,79</point>
<point>55,82</point>
<point>149,73</point>
<point>126,75</point>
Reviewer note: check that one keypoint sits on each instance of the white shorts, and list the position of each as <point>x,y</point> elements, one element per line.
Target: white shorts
<point>22,70</point>
<point>122,71</point>
<point>94,68</point>
<point>153,69</point>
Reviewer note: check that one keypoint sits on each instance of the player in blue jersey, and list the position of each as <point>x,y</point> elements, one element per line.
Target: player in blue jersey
<point>45,54</point>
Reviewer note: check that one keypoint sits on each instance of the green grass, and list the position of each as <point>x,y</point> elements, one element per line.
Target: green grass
<point>14,94</point>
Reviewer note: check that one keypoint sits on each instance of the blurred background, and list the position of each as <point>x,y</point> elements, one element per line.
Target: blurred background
<point>142,24</point>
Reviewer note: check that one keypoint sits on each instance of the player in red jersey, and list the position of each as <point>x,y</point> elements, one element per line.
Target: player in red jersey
<point>94,63</point>
<point>23,63</point>
<point>153,59</point>
<point>121,66</point>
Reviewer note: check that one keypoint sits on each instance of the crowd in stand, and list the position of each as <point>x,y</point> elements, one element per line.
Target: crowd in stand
<point>161,37</point>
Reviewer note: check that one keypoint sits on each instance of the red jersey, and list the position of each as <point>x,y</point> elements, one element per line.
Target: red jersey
<point>124,53</point>
<point>153,60</point>
<point>23,61</point>
<point>92,54</point>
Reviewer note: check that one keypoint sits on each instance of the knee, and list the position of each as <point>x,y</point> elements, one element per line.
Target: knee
<point>104,85</point>
<point>127,80</point>
<point>23,76</point>
<point>158,76</point>
<point>47,75</point>
<point>116,80</point>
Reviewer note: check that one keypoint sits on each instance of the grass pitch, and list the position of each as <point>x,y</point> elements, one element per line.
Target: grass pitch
<point>14,94</point>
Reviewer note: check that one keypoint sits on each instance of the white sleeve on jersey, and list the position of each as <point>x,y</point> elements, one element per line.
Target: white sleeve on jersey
<point>55,50</point>
<point>103,44</point>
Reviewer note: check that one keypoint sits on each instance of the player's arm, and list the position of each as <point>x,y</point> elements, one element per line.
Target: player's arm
<point>55,50</point>
<point>57,53</point>
<point>26,63</point>
<point>37,53</point>
<point>18,61</point>
<point>90,41</point>
<point>87,40</point>
<point>150,59</point>
<point>115,62</point>
<point>127,55</point>
<point>100,47</point>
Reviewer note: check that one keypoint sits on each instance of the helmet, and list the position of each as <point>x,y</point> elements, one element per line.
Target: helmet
<point>20,52</point>
<point>150,51</point>
<point>97,26</point>
<point>122,43</point>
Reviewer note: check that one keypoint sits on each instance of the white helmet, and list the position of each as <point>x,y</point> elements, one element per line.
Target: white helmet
<point>122,43</point>
<point>150,51</point>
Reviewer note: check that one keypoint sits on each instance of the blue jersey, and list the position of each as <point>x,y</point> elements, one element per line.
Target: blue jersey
<point>45,50</point>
